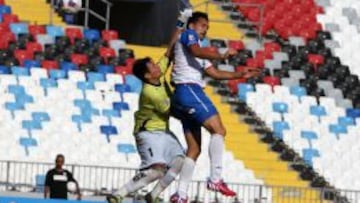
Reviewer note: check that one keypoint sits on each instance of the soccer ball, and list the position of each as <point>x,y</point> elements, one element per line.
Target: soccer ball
<point>71,186</point>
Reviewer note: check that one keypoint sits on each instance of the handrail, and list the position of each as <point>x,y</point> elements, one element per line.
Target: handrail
<point>88,11</point>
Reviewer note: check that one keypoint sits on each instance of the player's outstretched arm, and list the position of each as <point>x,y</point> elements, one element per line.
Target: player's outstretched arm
<point>247,72</point>
<point>203,53</point>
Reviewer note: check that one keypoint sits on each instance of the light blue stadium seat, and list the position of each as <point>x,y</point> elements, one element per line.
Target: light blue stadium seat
<point>57,74</point>
<point>243,89</point>
<point>134,83</point>
<point>27,142</point>
<point>30,125</point>
<point>24,99</point>
<point>309,136</point>
<point>108,131</point>
<point>82,103</point>
<point>337,130</point>
<point>16,89</point>
<point>31,63</point>
<point>126,149</point>
<point>95,77</point>
<point>19,28</point>
<point>40,183</point>
<point>91,34</point>
<point>120,106</point>
<point>298,91</point>
<point>84,85</point>
<point>280,107</point>
<point>346,121</point>
<point>105,69</point>
<point>4,9</point>
<point>12,107</point>
<point>353,113</point>
<point>109,113</point>
<point>318,111</point>
<point>66,66</point>
<point>79,119</point>
<point>4,70</point>
<point>47,83</point>
<point>20,71</point>
<point>55,31</point>
<point>40,116</point>
<point>309,154</point>
<point>279,127</point>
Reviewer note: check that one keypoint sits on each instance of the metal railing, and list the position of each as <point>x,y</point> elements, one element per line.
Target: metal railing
<point>88,11</point>
<point>259,24</point>
<point>21,176</point>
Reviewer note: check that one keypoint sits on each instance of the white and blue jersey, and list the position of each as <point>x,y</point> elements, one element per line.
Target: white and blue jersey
<point>189,102</point>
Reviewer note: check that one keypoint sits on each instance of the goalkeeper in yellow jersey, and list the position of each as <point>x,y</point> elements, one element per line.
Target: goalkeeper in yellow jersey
<point>161,153</point>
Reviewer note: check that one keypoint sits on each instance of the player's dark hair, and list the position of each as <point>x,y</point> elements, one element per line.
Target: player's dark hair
<point>196,16</point>
<point>59,156</point>
<point>140,68</point>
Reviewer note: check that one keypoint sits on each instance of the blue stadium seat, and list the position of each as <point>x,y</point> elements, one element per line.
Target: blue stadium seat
<point>337,130</point>
<point>4,70</point>
<point>57,74</point>
<point>108,131</point>
<point>353,113</point>
<point>95,77</point>
<point>105,69</point>
<point>12,107</point>
<point>119,106</point>
<point>20,71</point>
<point>122,88</point>
<point>5,9</point>
<point>31,63</point>
<point>280,107</point>
<point>309,154</point>
<point>309,135</point>
<point>24,99</point>
<point>298,91</point>
<point>55,31</point>
<point>40,183</point>
<point>92,34</point>
<point>318,111</point>
<point>66,66</point>
<point>30,125</point>
<point>243,89</point>
<point>346,121</point>
<point>16,89</point>
<point>28,142</point>
<point>19,28</point>
<point>126,149</point>
<point>47,83</point>
<point>134,83</point>
<point>82,103</point>
<point>79,119</point>
<point>40,116</point>
<point>109,113</point>
<point>279,127</point>
<point>84,85</point>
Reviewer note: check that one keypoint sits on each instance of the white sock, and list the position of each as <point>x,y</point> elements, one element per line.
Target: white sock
<point>216,150</point>
<point>169,177</point>
<point>186,174</point>
<point>139,181</point>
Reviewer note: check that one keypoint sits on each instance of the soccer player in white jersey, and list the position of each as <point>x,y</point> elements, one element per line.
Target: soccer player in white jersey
<point>194,108</point>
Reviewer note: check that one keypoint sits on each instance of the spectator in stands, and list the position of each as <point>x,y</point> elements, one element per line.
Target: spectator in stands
<point>57,179</point>
<point>69,9</point>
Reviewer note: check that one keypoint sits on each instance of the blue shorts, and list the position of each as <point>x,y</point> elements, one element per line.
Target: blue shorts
<point>191,105</point>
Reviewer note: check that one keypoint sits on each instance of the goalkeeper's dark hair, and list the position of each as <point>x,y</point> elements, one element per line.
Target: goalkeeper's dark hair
<point>140,68</point>
<point>196,16</point>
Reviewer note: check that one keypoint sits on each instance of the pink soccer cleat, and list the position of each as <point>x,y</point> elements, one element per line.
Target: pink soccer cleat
<point>220,187</point>
<point>175,198</point>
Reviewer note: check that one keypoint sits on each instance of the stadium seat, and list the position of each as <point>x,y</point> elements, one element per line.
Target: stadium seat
<point>40,116</point>
<point>134,83</point>
<point>4,9</point>
<point>10,18</point>
<point>108,35</point>
<point>4,70</point>
<point>30,125</point>
<point>34,30</point>
<point>22,55</point>
<point>106,53</point>
<point>27,143</point>
<point>120,106</point>
<point>105,69</point>
<point>73,33</point>
<point>54,31</point>
<point>243,90</point>
<point>19,71</point>
<point>40,183</point>
<point>108,131</point>
<point>19,28</point>
<point>91,35</point>
<point>57,74</point>
<point>279,127</point>
<point>95,77</point>
<point>31,63</point>
<point>79,59</point>
<point>66,66</point>
<point>49,64</point>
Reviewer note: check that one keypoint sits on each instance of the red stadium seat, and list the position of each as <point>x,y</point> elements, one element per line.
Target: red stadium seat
<point>123,70</point>
<point>252,62</point>
<point>22,55</point>
<point>49,65</point>
<point>33,47</point>
<point>271,80</point>
<point>233,85</point>
<point>5,38</point>
<point>73,33</point>
<point>235,44</point>
<point>316,59</point>
<point>2,2</point>
<point>109,35</point>
<point>36,29</point>
<point>79,59</point>
<point>107,52</point>
<point>4,27</point>
<point>10,18</point>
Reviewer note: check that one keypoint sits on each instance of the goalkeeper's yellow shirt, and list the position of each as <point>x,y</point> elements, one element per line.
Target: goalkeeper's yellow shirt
<point>154,104</point>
